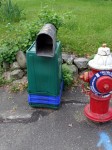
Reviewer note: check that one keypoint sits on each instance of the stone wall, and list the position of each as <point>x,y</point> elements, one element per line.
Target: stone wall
<point>18,72</point>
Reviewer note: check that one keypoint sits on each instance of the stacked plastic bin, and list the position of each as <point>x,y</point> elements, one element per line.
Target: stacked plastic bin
<point>44,69</point>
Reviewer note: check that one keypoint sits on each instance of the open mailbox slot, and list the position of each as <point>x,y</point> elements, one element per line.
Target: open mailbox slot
<point>46,41</point>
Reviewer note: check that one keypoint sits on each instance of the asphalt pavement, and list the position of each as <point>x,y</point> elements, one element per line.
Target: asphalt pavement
<point>25,128</point>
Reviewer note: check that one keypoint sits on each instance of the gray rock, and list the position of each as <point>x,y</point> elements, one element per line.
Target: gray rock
<point>17,74</point>
<point>65,57</point>
<point>7,75</point>
<point>70,59</point>
<point>6,65</point>
<point>15,66</point>
<point>23,80</point>
<point>21,59</point>
<point>81,63</point>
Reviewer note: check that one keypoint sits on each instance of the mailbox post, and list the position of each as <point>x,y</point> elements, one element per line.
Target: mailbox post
<point>44,69</point>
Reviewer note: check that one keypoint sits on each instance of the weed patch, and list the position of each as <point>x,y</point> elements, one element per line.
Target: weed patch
<point>10,12</point>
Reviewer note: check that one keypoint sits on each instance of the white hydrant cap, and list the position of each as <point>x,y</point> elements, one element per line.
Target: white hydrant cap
<point>102,60</point>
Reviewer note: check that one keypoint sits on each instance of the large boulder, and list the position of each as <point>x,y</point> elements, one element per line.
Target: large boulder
<point>21,59</point>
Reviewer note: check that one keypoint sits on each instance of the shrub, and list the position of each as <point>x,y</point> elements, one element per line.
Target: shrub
<point>49,16</point>
<point>23,37</point>
<point>67,75</point>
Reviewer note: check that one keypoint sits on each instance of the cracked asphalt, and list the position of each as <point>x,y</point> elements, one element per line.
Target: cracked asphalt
<point>26,128</point>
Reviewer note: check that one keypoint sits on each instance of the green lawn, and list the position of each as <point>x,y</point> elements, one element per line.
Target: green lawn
<point>89,25</point>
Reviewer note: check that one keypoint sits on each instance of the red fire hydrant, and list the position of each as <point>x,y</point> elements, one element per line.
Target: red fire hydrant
<point>100,79</point>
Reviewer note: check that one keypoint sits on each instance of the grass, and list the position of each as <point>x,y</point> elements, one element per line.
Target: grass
<point>89,24</point>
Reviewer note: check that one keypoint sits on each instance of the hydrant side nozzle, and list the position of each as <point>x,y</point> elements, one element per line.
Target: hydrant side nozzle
<point>81,76</point>
<point>85,76</point>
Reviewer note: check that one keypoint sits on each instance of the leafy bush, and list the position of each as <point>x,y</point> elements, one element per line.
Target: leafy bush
<point>67,75</point>
<point>10,11</point>
<point>49,16</point>
<point>23,37</point>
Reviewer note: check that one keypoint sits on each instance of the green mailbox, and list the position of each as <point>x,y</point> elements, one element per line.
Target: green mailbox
<point>44,69</point>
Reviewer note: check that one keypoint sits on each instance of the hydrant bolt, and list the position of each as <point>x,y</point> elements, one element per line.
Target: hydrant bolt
<point>106,86</point>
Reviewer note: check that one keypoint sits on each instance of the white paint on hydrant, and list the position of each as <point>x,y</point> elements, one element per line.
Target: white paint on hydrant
<point>102,60</point>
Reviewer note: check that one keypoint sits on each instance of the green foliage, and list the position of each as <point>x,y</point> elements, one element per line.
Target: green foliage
<point>50,16</point>
<point>0,3</point>
<point>23,37</point>
<point>67,75</point>
<point>10,11</point>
